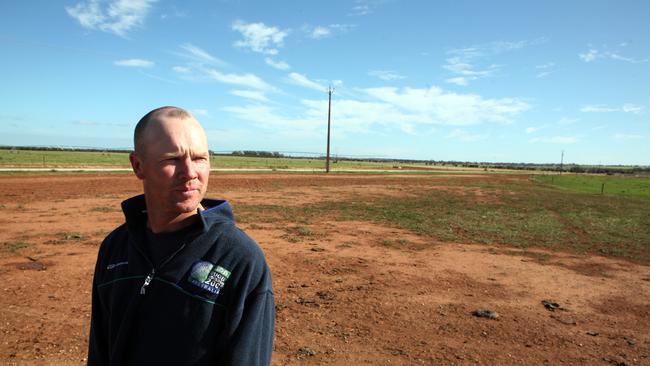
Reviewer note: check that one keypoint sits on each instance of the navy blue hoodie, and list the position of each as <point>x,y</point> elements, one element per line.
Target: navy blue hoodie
<point>210,302</point>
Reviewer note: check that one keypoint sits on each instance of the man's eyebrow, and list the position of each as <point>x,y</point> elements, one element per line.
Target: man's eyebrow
<point>174,154</point>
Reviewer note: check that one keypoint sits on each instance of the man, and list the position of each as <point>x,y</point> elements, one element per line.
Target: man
<point>178,283</point>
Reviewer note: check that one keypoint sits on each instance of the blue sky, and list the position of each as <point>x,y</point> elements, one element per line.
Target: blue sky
<point>508,81</point>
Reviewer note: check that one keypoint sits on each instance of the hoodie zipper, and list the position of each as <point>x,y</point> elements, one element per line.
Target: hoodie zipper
<point>147,281</point>
<point>151,274</point>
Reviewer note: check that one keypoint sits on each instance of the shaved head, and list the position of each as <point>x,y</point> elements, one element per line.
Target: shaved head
<point>155,116</point>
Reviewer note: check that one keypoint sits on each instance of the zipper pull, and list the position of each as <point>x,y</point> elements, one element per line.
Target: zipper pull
<point>147,281</point>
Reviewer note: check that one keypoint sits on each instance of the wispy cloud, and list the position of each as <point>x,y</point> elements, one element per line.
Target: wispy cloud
<point>632,108</point>
<point>408,110</point>
<point>364,7</point>
<point>181,69</point>
<point>472,63</point>
<point>554,140</point>
<point>624,136</point>
<point>544,70</point>
<point>567,121</point>
<point>627,108</point>
<point>459,80</point>
<point>594,54</point>
<point>250,94</point>
<point>387,75</point>
<point>320,32</point>
<point>259,37</point>
<point>530,130</point>
<point>597,109</point>
<point>116,16</point>
<point>200,56</point>
<point>135,62</point>
<point>324,31</point>
<point>302,80</point>
<point>465,136</point>
<point>280,65</point>
<point>433,105</point>
<point>200,112</point>
<point>247,80</point>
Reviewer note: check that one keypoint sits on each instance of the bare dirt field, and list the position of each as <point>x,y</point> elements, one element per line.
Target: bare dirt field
<point>348,292</point>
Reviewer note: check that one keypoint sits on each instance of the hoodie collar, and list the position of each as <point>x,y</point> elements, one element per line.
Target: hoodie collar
<point>216,211</point>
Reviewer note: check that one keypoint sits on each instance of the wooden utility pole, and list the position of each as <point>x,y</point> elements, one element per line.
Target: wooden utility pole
<point>329,110</point>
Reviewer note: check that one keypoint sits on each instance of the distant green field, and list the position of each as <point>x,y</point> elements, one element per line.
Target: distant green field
<point>517,212</point>
<point>50,159</point>
<point>609,185</point>
<point>81,159</point>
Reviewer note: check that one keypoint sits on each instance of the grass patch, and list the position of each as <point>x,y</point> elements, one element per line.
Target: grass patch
<point>525,215</point>
<point>594,184</point>
<point>13,246</point>
<point>103,209</point>
<point>394,243</point>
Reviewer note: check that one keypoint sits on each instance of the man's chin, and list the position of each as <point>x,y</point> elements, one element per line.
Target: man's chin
<point>187,206</point>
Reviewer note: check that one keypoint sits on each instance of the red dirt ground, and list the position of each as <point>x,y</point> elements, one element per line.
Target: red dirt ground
<point>343,296</point>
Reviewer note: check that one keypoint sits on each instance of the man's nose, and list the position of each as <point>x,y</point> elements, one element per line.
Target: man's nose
<point>187,168</point>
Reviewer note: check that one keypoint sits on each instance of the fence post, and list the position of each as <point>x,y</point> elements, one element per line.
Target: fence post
<point>602,188</point>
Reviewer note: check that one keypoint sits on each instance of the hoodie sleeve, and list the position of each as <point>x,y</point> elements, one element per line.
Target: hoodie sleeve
<point>98,339</point>
<point>252,342</point>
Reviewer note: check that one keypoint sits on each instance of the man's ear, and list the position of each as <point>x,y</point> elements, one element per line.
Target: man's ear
<point>136,164</point>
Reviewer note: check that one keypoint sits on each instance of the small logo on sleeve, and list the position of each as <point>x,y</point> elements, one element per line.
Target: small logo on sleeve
<point>208,276</point>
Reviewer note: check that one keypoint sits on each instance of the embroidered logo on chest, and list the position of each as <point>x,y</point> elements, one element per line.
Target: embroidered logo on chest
<point>208,276</point>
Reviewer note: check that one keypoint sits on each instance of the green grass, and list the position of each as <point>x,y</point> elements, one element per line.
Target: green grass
<point>13,246</point>
<point>613,185</point>
<point>524,214</point>
<point>47,159</point>
<point>81,159</point>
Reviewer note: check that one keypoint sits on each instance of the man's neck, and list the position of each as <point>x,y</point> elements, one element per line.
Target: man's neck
<point>167,225</point>
<point>160,223</point>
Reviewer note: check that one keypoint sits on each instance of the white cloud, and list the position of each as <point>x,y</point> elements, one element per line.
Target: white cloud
<point>567,121</point>
<point>387,75</point>
<point>303,81</point>
<point>280,65</point>
<point>199,55</point>
<point>623,136</point>
<point>543,74</point>
<point>627,108</point>
<point>632,108</point>
<point>320,32</point>
<point>433,105</point>
<point>459,80</point>
<point>250,94</point>
<point>469,63</point>
<point>364,7</point>
<point>591,55</point>
<point>259,37</point>
<point>117,16</point>
<point>134,62</point>
<point>408,110</point>
<point>324,31</point>
<point>246,80</point>
<point>465,136</point>
<point>181,69</point>
<point>547,65</point>
<point>532,129</point>
<point>200,112</point>
<point>597,109</point>
<point>594,54</point>
<point>554,140</point>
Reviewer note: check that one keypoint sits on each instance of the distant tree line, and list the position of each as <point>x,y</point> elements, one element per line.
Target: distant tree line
<point>258,154</point>
<point>62,148</point>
